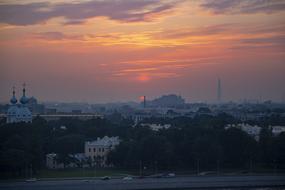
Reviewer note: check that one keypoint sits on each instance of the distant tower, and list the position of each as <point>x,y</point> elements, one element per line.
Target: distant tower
<point>219,91</point>
<point>144,102</point>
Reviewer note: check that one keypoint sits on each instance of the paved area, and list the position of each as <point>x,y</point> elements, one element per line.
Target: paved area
<point>150,183</point>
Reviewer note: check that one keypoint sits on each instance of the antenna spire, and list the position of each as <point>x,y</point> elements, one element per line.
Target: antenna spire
<point>13,100</point>
<point>24,89</point>
<point>13,90</point>
<point>219,91</point>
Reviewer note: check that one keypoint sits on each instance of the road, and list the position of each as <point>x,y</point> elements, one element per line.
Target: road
<point>150,183</point>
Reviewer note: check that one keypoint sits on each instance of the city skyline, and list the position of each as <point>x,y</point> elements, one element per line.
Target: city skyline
<point>108,51</point>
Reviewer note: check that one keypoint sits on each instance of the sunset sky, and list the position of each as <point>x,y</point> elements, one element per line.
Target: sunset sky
<point>118,50</point>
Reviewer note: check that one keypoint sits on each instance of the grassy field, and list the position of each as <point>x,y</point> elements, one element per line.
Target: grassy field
<point>91,172</point>
<point>66,173</point>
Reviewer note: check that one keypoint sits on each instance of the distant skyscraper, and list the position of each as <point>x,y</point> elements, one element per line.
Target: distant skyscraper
<point>219,91</point>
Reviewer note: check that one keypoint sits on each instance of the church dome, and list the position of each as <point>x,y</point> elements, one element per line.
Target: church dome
<point>19,113</point>
<point>24,99</point>
<point>13,100</point>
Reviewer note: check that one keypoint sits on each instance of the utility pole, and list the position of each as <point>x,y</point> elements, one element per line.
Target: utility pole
<point>31,171</point>
<point>155,167</point>
<point>198,166</point>
<point>251,165</point>
<point>218,167</point>
<point>140,168</point>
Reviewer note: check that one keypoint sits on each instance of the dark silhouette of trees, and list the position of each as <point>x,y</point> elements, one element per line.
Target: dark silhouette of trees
<point>186,143</point>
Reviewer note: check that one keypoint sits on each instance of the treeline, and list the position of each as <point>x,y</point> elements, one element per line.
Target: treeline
<point>23,146</point>
<point>189,142</point>
<point>200,142</point>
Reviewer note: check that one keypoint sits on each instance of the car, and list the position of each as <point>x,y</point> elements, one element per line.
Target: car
<point>157,175</point>
<point>207,173</point>
<point>168,175</point>
<point>128,178</point>
<point>106,178</point>
<point>171,175</point>
<point>31,180</point>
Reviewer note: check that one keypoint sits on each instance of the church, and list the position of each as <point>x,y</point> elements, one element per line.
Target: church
<point>19,112</point>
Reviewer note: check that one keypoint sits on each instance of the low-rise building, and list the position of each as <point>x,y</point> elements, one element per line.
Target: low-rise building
<point>52,163</point>
<point>75,160</point>
<point>276,130</point>
<point>156,127</point>
<point>252,130</point>
<point>97,151</point>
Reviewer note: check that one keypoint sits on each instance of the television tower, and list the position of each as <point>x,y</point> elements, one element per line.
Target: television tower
<point>219,91</point>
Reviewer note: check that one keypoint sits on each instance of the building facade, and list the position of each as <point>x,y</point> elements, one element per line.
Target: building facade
<point>97,151</point>
<point>77,160</point>
<point>276,130</point>
<point>252,130</point>
<point>19,112</point>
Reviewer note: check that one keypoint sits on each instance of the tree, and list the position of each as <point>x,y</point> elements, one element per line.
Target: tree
<point>278,149</point>
<point>265,145</point>
<point>239,148</point>
<point>14,160</point>
<point>66,145</point>
<point>207,150</point>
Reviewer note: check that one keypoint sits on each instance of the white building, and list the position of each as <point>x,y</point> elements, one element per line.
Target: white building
<point>252,130</point>
<point>77,160</point>
<point>156,127</point>
<point>95,154</point>
<point>52,163</point>
<point>19,112</point>
<point>98,150</point>
<point>276,130</point>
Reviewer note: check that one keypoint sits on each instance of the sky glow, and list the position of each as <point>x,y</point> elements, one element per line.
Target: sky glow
<point>117,50</point>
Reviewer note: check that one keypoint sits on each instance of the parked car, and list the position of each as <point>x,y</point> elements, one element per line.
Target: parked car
<point>171,175</point>
<point>31,180</point>
<point>128,178</point>
<point>106,178</point>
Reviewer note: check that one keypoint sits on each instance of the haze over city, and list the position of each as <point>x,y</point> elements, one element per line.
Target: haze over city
<point>64,51</point>
<point>142,94</point>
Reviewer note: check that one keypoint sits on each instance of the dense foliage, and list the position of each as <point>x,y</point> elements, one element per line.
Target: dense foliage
<point>201,141</point>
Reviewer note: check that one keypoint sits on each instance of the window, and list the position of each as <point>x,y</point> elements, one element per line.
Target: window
<point>94,149</point>
<point>89,149</point>
<point>99,149</point>
<point>102,149</point>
